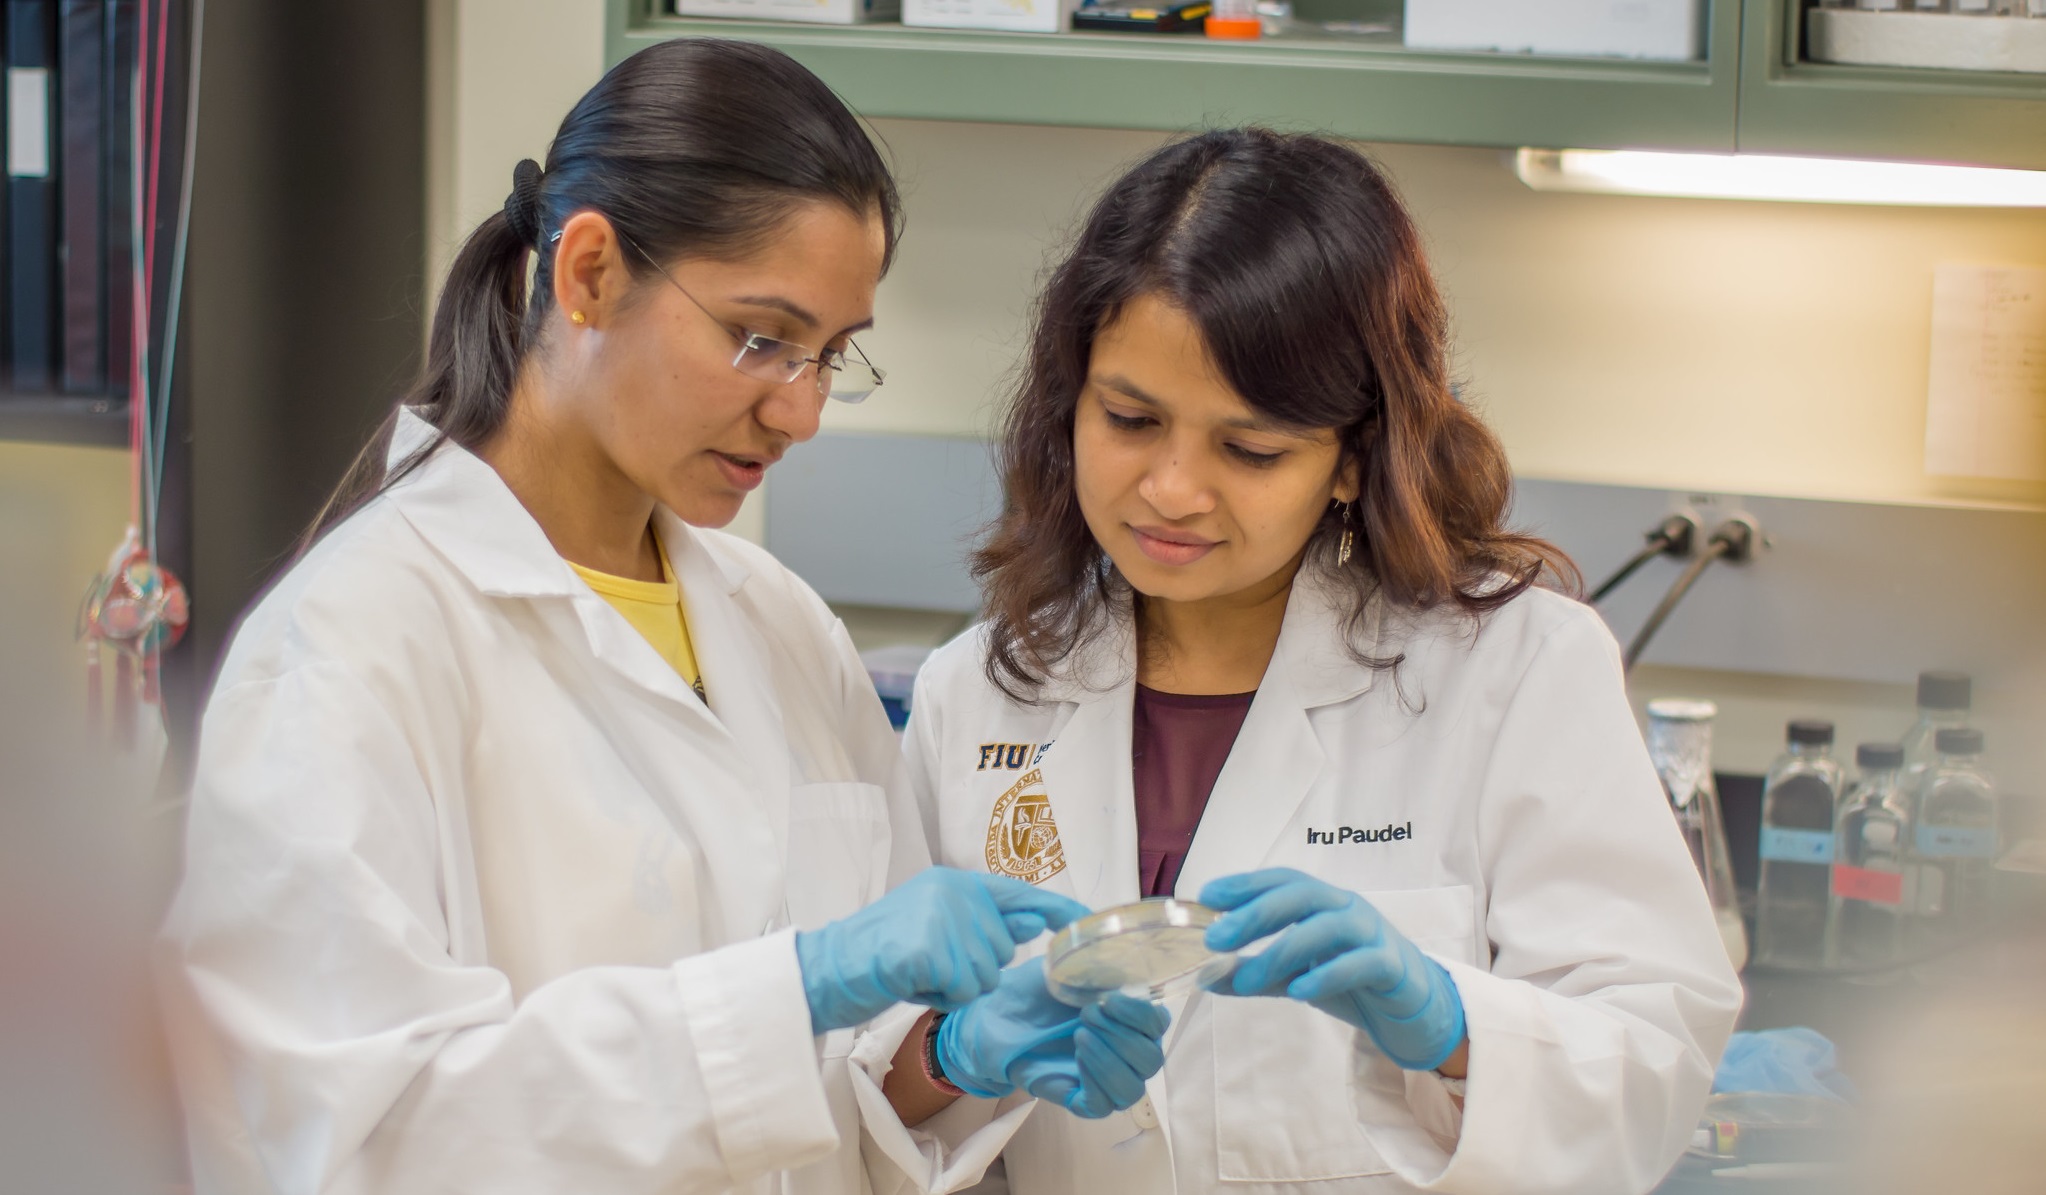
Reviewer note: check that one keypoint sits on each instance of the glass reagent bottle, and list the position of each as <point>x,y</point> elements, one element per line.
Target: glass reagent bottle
<point>1943,702</point>
<point>1680,745</point>
<point>1872,839</point>
<point>1954,843</point>
<point>1798,807</point>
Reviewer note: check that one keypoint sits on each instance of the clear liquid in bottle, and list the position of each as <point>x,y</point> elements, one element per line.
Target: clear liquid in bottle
<point>1954,844</point>
<point>1870,869</point>
<point>1798,807</point>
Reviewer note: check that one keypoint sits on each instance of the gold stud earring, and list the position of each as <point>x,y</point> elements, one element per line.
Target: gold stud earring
<point>578,318</point>
<point>1343,547</point>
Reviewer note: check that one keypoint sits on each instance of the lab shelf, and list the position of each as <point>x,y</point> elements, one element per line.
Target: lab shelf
<point>1753,91</point>
<point>1367,90</point>
<point>1789,106</point>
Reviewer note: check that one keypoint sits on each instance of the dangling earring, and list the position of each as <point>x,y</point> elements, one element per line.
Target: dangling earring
<point>578,318</point>
<point>1344,545</point>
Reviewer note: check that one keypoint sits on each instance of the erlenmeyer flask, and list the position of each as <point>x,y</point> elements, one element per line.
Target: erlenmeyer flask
<point>1680,744</point>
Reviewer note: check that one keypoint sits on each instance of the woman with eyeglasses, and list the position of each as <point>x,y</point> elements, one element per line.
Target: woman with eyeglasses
<point>1258,635</point>
<point>543,839</point>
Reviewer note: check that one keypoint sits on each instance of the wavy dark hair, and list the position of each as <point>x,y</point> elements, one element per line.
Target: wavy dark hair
<point>694,147</point>
<point>1304,273</point>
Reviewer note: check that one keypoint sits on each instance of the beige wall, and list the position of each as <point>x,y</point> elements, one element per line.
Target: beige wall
<point>63,510</point>
<point>502,75</point>
<point>1744,348</point>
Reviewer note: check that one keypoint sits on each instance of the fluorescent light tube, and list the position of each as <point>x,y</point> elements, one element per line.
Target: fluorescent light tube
<point>1794,180</point>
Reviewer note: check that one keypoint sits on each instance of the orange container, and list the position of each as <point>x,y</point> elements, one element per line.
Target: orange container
<point>1235,20</point>
<point>1234,28</point>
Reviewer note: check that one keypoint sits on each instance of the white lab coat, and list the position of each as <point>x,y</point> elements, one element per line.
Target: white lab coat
<point>1539,864</point>
<point>480,897</point>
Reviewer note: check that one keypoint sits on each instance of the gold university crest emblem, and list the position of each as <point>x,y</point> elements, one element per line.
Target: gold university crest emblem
<point>1022,838</point>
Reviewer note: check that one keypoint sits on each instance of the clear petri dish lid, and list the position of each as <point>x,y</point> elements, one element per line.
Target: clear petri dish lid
<point>1152,950</point>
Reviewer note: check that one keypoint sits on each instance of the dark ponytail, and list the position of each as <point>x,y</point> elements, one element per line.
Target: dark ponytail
<point>693,147</point>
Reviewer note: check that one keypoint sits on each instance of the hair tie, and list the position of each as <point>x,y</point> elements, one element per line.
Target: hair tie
<point>522,206</point>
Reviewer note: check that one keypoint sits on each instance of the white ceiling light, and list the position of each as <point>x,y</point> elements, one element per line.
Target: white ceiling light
<point>1797,180</point>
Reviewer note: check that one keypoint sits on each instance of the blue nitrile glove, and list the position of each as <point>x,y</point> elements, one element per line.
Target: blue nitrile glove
<point>1341,956</point>
<point>940,939</point>
<point>1091,1061</point>
<point>1796,1061</point>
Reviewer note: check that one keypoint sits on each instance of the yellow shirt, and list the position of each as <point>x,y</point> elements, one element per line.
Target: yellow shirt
<point>654,608</point>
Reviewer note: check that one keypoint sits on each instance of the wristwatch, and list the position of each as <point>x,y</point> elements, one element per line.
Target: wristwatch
<point>929,1056</point>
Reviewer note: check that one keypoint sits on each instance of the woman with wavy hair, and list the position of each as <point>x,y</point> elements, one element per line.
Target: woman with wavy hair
<point>1257,634</point>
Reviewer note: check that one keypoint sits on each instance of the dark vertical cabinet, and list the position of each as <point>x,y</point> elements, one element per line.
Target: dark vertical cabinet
<point>303,314</point>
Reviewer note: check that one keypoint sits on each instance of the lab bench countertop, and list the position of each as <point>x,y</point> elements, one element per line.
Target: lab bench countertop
<point>1866,1016</point>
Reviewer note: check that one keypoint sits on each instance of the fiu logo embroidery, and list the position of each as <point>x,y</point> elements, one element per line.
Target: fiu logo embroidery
<point>1014,757</point>
<point>1022,839</point>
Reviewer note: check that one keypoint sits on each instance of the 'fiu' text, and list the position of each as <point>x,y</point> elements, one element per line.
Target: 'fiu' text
<point>1011,757</point>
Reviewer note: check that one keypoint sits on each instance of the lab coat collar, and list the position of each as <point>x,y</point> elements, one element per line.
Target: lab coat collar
<point>465,512</point>
<point>1088,781</point>
<point>464,509</point>
<point>1278,756</point>
<point>1317,654</point>
<point>1275,761</point>
<point>735,661</point>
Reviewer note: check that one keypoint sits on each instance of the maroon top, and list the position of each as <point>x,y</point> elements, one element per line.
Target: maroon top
<point>1177,748</point>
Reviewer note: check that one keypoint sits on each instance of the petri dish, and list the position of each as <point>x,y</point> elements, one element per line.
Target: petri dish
<point>1151,950</point>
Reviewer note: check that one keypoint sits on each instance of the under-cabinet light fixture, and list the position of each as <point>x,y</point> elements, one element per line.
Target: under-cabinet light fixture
<point>1795,180</point>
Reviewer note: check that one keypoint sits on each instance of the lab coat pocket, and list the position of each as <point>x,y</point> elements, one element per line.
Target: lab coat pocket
<point>1294,1093</point>
<point>1441,921</point>
<point>838,850</point>
<point>1301,1096</point>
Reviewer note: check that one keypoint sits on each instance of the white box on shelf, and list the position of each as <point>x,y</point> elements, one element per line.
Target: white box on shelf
<point>810,12</point>
<point>1665,29</point>
<point>1929,39</point>
<point>1016,16</point>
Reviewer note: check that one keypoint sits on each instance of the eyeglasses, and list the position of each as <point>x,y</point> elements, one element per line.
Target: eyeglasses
<point>847,379</point>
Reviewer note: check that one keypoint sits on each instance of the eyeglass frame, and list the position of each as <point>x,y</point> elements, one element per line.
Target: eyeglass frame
<point>754,342</point>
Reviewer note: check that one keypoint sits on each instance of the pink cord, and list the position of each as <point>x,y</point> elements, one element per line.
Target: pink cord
<point>138,337</point>
<point>155,141</point>
<point>149,131</point>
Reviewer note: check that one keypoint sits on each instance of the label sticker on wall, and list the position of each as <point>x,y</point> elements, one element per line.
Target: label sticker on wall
<point>1985,413</point>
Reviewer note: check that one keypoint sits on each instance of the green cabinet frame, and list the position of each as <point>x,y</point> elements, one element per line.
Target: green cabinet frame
<point>1751,92</point>
<point>1788,106</point>
<point>1372,92</point>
